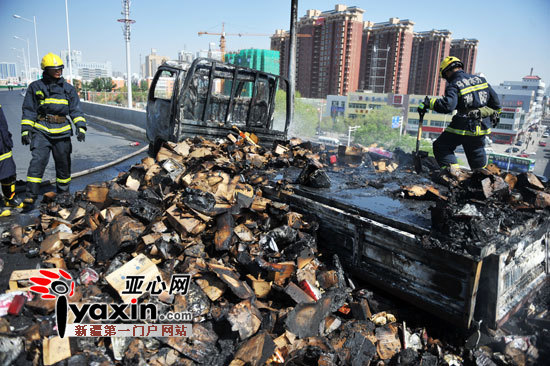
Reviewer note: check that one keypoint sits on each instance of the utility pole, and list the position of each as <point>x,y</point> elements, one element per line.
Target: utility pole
<point>126,31</point>
<point>69,42</point>
<point>292,56</point>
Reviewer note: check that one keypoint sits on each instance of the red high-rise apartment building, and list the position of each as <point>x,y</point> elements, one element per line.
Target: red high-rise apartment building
<point>338,53</point>
<point>280,42</point>
<point>466,51</point>
<point>385,56</point>
<point>429,49</point>
<point>327,62</point>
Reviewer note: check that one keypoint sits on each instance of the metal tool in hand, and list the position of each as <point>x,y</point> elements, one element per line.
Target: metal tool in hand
<point>418,155</point>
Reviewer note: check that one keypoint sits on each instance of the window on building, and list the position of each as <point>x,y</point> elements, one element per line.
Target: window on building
<point>412,121</point>
<point>507,115</point>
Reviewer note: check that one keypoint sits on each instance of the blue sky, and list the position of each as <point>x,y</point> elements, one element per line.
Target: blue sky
<point>513,35</point>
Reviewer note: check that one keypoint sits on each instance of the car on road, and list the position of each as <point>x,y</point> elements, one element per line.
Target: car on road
<point>542,143</point>
<point>545,135</point>
<point>519,143</point>
<point>512,149</point>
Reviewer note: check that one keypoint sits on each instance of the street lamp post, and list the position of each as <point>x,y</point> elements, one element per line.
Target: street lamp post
<point>24,63</point>
<point>69,42</point>
<point>35,37</point>
<point>127,22</point>
<point>28,53</point>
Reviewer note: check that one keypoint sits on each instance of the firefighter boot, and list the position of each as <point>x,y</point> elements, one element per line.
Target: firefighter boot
<point>8,189</point>
<point>14,202</point>
<point>29,199</point>
<point>4,212</point>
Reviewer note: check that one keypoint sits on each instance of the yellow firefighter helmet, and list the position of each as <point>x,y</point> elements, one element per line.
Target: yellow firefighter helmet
<point>51,61</point>
<point>448,63</point>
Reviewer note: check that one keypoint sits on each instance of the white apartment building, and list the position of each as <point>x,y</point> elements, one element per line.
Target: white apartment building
<point>92,70</point>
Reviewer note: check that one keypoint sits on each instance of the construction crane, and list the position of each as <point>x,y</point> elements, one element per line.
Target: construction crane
<point>223,34</point>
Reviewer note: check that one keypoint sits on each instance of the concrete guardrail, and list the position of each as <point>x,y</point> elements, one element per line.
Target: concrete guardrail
<point>130,122</point>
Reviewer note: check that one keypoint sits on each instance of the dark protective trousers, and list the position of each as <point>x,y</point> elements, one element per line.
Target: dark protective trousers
<point>474,147</point>
<point>61,150</point>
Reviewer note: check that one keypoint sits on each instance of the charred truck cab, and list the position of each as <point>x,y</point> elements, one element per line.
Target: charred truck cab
<point>208,98</point>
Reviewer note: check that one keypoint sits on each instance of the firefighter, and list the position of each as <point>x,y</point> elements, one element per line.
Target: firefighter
<point>7,168</point>
<point>477,108</point>
<point>45,126</point>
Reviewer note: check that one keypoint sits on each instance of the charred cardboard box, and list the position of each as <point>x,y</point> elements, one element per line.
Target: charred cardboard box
<point>259,291</point>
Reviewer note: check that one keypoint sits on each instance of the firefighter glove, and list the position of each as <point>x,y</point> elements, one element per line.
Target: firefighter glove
<point>25,138</point>
<point>81,135</point>
<point>424,105</point>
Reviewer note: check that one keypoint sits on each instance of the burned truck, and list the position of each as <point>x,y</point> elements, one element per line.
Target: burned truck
<point>463,257</point>
<point>211,99</point>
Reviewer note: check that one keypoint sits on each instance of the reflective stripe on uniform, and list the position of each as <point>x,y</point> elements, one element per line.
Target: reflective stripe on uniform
<point>432,102</point>
<point>63,181</point>
<point>478,132</point>
<point>82,130</point>
<point>27,122</point>
<point>456,166</point>
<point>473,88</point>
<point>53,130</point>
<point>34,180</point>
<point>56,101</point>
<point>6,155</point>
<point>77,119</point>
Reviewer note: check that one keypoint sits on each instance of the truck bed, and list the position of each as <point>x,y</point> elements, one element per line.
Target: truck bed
<point>388,241</point>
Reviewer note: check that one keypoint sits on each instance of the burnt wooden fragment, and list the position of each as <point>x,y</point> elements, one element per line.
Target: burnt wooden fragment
<point>245,318</point>
<point>227,275</point>
<point>224,232</point>
<point>256,350</point>
<point>305,319</point>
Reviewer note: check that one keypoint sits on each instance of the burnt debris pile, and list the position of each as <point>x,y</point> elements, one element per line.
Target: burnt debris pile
<point>486,207</point>
<point>258,291</point>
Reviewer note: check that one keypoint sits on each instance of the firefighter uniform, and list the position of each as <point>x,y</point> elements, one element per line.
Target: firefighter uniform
<point>46,108</point>
<point>7,166</point>
<point>465,93</point>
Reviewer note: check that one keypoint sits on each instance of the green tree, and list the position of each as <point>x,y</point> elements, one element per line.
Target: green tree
<point>102,84</point>
<point>77,85</point>
<point>376,129</point>
<point>143,85</point>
